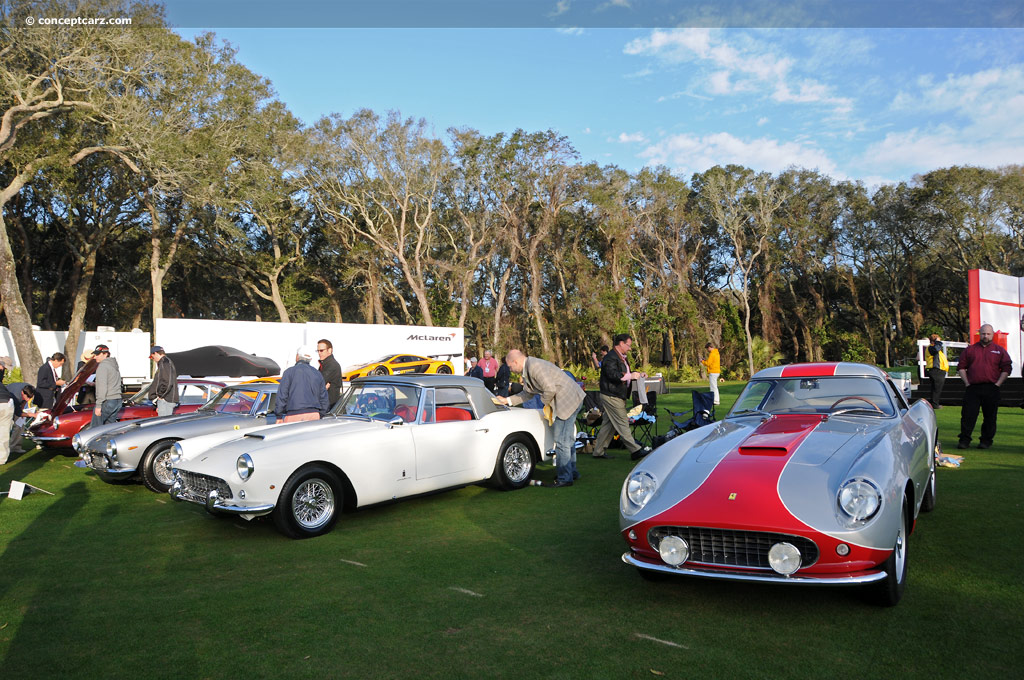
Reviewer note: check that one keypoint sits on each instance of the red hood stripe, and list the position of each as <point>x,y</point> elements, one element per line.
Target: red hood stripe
<point>742,492</point>
<point>809,370</point>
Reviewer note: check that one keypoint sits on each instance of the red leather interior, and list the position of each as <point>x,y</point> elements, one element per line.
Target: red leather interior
<point>450,413</point>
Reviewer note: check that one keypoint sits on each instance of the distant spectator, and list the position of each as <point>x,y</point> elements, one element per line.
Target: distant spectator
<point>714,365</point>
<point>474,369</point>
<point>164,389</point>
<point>10,408</point>
<point>330,369</point>
<point>489,367</point>
<point>109,391</point>
<point>938,367</point>
<point>48,380</point>
<point>597,357</point>
<point>502,379</point>
<point>302,393</point>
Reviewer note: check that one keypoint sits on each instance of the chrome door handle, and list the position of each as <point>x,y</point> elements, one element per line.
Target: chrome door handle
<point>484,430</point>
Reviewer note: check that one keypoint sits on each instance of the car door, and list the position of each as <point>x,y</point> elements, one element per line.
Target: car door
<point>914,441</point>
<point>448,438</point>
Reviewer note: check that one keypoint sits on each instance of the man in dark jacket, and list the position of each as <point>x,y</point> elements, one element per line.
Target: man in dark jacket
<point>48,379</point>
<point>616,386</point>
<point>329,369</point>
<point>302,393</point>
<point>164,390</point>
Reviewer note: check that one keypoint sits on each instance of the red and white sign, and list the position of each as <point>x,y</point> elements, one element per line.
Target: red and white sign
<point>998,300</point>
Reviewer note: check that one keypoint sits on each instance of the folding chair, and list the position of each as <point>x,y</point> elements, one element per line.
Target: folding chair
<point>591,401</point>
<point>703,412</point>
<point>642,424</point>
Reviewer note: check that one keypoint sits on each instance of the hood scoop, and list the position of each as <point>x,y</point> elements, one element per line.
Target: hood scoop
<point>779,435</point>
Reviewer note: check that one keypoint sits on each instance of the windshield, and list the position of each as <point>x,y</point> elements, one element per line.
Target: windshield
<point>232,400</point>
<point>379,401</point>
<point>826,395</point>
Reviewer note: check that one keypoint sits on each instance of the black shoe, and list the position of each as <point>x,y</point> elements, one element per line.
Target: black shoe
<point>640,453</point>
<point>605,456</point>
<point>558,485</point>
<point>962,445</point>
<point>983,445</point>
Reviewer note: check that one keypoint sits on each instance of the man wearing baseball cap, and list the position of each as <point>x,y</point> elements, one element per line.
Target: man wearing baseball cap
<point>109,397</point>
<point>164,388</point>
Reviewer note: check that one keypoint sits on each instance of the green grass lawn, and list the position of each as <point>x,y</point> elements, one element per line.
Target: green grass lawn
<point>113,581</point>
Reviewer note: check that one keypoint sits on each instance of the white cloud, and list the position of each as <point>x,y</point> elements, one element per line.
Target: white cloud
<point>992,99</point>
<point>917,151</point>
<point>561,7</point>
<point>761,121</point>
<point>749,67</point>
<point>632,138</point>
<point>687,154</point>
<point>570,31</point>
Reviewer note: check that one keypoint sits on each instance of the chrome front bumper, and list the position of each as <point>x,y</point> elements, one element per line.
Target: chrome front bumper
<point>100,462</point>
<point>823,580</point>
<point>215,505</point>
<point>37,438</point>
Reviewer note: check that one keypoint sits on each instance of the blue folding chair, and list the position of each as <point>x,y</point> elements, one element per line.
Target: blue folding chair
<point>702,413</point>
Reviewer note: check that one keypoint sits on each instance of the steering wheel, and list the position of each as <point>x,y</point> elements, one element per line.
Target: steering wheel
<point>865,399</point>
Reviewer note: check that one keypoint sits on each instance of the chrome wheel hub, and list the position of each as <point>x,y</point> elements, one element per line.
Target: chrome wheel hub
<point>313,503</point>
<point>516,463</point>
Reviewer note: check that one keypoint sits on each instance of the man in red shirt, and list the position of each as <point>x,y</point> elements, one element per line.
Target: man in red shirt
<point>983,367</point>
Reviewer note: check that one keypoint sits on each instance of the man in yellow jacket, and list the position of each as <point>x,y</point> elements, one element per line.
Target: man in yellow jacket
<point>714,365</point>
<point>938,366</point>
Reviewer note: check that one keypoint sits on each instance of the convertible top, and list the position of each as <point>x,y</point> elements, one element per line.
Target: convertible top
<point>222,360</point>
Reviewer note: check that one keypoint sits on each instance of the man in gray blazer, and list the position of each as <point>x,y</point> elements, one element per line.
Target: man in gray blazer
<point>562,394</point>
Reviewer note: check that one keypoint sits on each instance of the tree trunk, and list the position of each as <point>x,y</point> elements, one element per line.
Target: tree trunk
<point>81,298</point>
<point>18,318</point>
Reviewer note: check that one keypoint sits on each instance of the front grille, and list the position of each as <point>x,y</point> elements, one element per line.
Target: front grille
<point>733,548</point>
<point>199,486</point>
<point>97,461</point>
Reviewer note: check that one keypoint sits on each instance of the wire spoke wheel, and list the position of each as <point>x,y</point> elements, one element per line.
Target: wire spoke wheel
<point>313,503</point>
<point>517,463</point>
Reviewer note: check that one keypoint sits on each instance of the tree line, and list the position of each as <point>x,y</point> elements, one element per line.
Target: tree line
<point>143,176</point>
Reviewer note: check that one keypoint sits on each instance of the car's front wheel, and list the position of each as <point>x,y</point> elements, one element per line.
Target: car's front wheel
<point>888,591</point>
<point>515,463</point>
<point>380,370</point>
<point>309,503</point>
<point>156,467</point>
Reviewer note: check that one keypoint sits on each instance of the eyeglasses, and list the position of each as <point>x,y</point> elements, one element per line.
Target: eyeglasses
<point>321,351</point>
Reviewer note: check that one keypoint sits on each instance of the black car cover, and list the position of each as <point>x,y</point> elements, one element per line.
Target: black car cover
<point>221,360</point>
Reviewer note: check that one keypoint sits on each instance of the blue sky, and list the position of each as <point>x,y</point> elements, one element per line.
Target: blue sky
<point>875,105</point>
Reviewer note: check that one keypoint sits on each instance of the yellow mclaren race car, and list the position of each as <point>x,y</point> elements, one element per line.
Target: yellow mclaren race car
<point>397,364</point>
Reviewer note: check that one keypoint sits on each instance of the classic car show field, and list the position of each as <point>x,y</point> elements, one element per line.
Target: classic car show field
<point>110,580</point>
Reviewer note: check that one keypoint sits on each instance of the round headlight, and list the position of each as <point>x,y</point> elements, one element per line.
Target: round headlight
<point>56,421</point>
<point>176,453</point>
<point>860,499</point>
<point>244,466</point>
<point>76,442</point>
<point>673,550</point>
<point>784,558</point>
<point>640,486</point>
<point>112,447</point>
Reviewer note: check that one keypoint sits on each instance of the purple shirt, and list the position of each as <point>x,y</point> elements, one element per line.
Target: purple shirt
<point>984,364</point>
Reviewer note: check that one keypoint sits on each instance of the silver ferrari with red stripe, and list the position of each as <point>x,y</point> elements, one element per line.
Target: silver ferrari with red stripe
<point>816,476</point>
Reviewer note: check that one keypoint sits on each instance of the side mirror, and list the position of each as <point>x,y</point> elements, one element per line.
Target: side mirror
<point>395,420</point>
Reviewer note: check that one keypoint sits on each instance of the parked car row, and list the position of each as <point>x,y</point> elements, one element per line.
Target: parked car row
<point>815,477</point>
<point>388,437</point>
